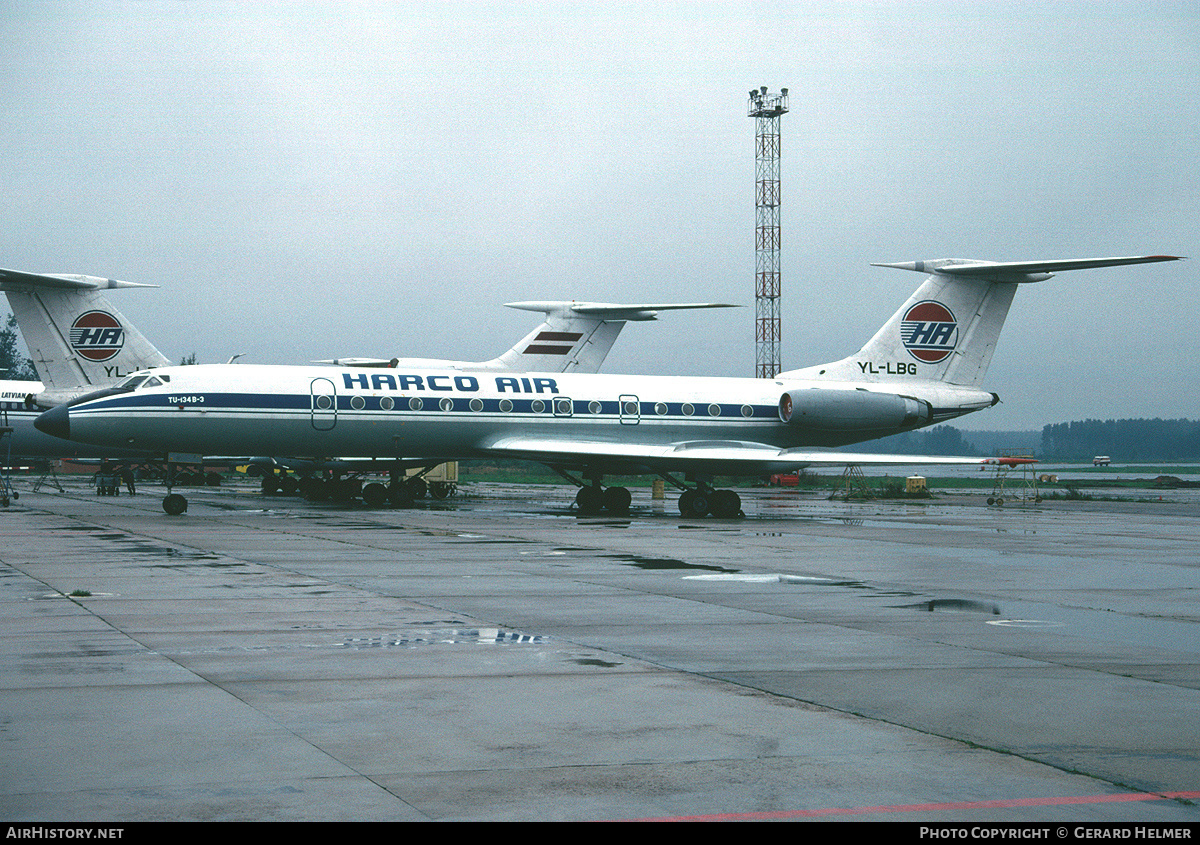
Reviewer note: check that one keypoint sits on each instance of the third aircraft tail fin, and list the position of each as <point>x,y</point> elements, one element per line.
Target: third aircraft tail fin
<point>948,329</point>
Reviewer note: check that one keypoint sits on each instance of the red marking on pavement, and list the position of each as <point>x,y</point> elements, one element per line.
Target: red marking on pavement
<point>929,808</point>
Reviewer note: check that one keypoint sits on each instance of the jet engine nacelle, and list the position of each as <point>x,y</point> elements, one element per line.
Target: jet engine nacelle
<point>852,410</point>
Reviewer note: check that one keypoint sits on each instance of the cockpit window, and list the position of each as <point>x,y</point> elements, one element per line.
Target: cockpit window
<point>153,381</point>
<point>132,382</point>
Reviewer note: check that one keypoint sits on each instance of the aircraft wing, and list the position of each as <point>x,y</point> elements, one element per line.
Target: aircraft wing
<point>713,457</point>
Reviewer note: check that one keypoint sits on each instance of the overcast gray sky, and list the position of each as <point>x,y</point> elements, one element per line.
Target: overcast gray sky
<point>309,180</point>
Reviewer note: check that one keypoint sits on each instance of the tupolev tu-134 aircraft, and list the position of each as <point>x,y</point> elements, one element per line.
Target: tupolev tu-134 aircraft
<point>80,344</point>
<point>924,366</point>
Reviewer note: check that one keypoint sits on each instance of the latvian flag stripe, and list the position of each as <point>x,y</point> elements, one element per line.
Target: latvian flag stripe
<point>544,349</point>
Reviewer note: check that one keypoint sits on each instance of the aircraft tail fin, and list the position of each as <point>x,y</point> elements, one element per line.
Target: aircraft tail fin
<point>948,329</point>
<point>577,336</point>
<point>76,339</point>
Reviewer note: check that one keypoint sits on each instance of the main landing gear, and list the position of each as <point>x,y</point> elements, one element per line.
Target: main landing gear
<point>592,498</point>
<point>398,491</point>
<point>401,492</point>
<point>695,502</point>
<point>703,500</point>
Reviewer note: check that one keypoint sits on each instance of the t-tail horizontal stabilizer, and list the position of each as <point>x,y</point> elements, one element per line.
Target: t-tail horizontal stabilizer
<point>948,329</point>
<point>1019,271</point>
<point>575,337</point>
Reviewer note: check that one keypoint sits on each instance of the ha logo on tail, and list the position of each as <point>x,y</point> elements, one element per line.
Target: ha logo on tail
<point>97,335</point>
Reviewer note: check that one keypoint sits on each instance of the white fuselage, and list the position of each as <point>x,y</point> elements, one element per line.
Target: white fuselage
<point>459,414</point>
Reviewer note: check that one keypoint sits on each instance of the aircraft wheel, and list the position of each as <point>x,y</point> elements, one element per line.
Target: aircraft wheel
<point>374,494</point>
<point>440,489</point>
<point>617,499</point>
<point>270,485</point>
<point>318,489</point>
<point>400,495</point>
<point>589,499</point>
<point>726,504</point>
<point>288,485</point>
<point>417,487</point>
<point>991,500</point>
<point>345,489</point>
<point>693,503</point>
<point>213,479</point>
<point>174,504</point>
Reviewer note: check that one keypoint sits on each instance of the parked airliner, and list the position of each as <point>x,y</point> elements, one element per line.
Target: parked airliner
<point>924,366</point>
<point>79,343</point>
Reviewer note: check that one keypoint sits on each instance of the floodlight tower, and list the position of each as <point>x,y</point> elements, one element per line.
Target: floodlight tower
<point>766,109</point>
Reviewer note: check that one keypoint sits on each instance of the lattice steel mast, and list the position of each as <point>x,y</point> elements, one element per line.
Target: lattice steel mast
<point>766,109</point>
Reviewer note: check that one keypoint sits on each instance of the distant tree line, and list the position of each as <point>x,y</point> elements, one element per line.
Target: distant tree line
<point>1123,440</point>
<point>939,440</point>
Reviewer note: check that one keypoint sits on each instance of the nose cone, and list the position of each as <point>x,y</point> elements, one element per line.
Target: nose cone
<point>56,422</point>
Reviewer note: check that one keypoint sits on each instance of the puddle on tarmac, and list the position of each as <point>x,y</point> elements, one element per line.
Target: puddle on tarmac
<point>452,636</point>
<point>186,557</point>
<point>665,563</point>
<point>954,606</point>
